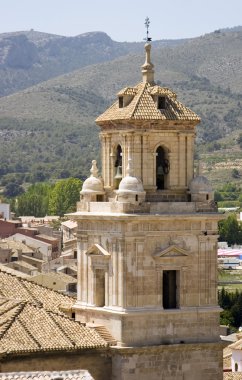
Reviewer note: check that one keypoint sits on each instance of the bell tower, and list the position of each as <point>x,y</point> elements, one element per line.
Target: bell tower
<point>147,240</point>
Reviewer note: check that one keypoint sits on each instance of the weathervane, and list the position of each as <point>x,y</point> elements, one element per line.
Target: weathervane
<point>147,24</point>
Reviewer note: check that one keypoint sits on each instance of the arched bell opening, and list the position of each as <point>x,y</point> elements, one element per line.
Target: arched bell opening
<point>162,168</point>
<point>118,167</point>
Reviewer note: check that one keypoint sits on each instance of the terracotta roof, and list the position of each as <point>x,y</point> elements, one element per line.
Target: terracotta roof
<point>26,327</point>
<point>80,374</point>
<point>128,91</point>
<point>227,354</point>
<point>237,345</point>
<point>55,276</point>
<point>22,289</point>
<point>12,271</point>
<point>143,106</point>
<point>22,264</point>
<point>232,375</point>
<point>15,246</point>
<point>47,237</point>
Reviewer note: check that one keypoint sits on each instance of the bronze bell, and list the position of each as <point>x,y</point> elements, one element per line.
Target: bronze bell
<point>118,173</point>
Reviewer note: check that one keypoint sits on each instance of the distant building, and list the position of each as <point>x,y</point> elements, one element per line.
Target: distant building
<point>5,212</point>
<point>60,282</point>
<point>42,249</point>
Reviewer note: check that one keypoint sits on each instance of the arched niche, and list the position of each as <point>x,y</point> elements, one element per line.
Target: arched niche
<point>162,167</point>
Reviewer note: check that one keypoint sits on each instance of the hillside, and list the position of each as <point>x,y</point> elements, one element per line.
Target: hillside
<point>30,57</point>
<point>48,131</point>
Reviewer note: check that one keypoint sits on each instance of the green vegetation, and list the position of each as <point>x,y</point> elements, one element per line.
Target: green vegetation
<point>230,230</point>
<point>64,196</point>
<point>47,199</point>
<point>229,195</point>
<point>232,305</point>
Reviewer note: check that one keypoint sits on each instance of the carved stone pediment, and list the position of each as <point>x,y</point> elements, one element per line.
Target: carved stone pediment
<point>171,251</point>
<point>97,250</point>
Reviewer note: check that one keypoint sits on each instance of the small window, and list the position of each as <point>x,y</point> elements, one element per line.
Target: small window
<point>100,288</point>
<point>236,367</point>
<point>170,289</point>
<point>136,197</point>
<point>161,105</point>
<point>121,101</point>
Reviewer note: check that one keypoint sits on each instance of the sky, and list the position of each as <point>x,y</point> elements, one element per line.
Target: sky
<point>122,20</point>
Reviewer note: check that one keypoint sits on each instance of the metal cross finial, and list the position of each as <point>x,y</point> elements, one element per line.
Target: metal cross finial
<point>147,24</point>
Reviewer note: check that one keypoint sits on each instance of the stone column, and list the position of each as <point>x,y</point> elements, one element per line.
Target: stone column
<point>203,266</point>
<point>154,168</point>
<point>103,146</point>
<point>106,303</point>
<point>84,269</point>
<point>182,161</point>
<point>137,155</point>
<point>190,158</point>
<point>79,271</point>
<point>124,154</point>
<point>121,274</point>
<point>212,247</point>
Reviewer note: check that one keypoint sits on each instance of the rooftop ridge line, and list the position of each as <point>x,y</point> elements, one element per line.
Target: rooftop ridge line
<point>50,313</point>
<point>20,307</point>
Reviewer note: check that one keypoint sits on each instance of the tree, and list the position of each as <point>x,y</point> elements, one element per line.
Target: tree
<point>230,230</point>
<point>35,201</point>
<point>12,189</point>
<point>64,196</point>
<point>218,196</point>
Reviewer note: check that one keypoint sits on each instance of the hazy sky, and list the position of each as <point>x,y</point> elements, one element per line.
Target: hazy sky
<point>122,20</point>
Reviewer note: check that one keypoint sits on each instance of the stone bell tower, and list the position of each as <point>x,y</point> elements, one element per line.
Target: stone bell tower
<point>150,124</point>
<point>147,240</point>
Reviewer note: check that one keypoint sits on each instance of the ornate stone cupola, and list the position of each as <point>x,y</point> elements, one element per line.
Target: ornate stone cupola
<point>130,188</point>
<point>92,188</point>
<point>149,122</point>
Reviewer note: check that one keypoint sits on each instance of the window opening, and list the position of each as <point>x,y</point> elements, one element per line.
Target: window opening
<point>162,168</point>
<point>121,101</point>
<point>170,289</point>
<point>118,167</point>
<point>161,105</point>
<point>100,287</point>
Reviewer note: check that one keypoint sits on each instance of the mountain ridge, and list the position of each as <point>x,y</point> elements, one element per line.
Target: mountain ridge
<point>48,130</point>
